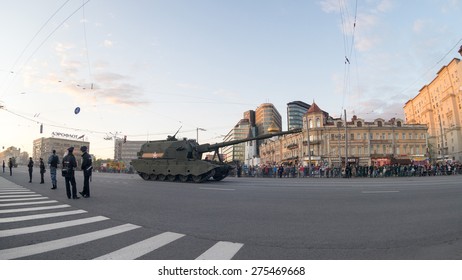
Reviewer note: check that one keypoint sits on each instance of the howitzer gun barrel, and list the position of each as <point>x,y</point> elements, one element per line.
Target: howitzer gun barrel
<point>212,147</point>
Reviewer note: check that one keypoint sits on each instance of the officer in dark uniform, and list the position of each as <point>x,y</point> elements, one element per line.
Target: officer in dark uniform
<point>87,170</point>
<point>69,165</point>
<point>42,171</point>
<point>30,166</point>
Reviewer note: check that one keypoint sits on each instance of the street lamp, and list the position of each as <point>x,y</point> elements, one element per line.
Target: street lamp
<point>197,133</point>
<point>460,50</point>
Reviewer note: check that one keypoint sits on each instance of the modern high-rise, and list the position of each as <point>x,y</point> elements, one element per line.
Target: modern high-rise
<point>236,152</point>
<point>439,106</point>
<point>266,116</point>
<point>295,112</point>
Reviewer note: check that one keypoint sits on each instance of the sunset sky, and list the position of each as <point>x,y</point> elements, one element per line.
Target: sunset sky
<point>146,68</point>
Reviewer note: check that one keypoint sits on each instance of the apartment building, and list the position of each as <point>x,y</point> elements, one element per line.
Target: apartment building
<point>439,106</point>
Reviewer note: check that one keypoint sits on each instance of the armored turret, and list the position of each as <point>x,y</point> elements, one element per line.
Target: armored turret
<point>181,160</point>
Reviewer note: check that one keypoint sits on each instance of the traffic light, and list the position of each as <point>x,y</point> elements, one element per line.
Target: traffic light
<point>125,139</point>
<point>41,128</point>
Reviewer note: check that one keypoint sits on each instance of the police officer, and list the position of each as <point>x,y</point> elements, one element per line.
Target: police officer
<point>69,165</point>
<point>30,166</point>
<point>87,169</point>
<point>42,171</point>
<point>53,161</point>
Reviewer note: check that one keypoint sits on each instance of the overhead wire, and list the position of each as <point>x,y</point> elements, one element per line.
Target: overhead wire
<point>35,36</point>
<point>49,36</point>
<point>348,29</point>
<point>432,67</point>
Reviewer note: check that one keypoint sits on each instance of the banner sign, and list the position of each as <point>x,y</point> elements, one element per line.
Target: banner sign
<point>66,135</point>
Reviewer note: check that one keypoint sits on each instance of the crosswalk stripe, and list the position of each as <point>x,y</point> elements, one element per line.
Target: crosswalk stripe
<point>33,229</point>
<point>27,203</point>
<point>142,248</point>
<point>23,199</point>
<point>33,209</point>
<point>222,250</point>
<point>40,216</point>
<point>43,247</point>
<point>25,195</point>
<point>16,192</point>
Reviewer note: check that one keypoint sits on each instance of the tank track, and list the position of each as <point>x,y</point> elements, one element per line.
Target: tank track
<point>216,174</point>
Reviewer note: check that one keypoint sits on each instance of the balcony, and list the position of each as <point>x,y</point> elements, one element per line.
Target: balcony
<point>292,146</point>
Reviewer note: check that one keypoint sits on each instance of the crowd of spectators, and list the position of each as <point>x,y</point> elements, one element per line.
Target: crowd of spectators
<point>352,171</point>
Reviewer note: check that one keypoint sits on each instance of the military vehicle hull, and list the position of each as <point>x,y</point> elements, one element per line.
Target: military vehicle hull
<point>197,171</point>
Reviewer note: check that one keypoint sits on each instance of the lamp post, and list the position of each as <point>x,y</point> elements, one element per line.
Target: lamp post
<point>308,144</point>
<point>116,154</point>
<point>460,50</point>
<point>197,133</point>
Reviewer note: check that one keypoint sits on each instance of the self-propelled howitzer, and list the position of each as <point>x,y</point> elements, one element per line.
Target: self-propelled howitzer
<point>181,160</point>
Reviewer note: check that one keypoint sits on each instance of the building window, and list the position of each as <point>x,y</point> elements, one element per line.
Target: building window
<point>318,122</point>
<point>379,123</point>
<point>359,124</point>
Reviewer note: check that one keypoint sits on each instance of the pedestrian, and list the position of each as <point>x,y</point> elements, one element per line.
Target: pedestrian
<point>42,171</point>
<point>10,165</point>
<point>3,166</point>
<point>30,165</point>
<point>69,165</point>
<point>87,170</point>
<point>280,171</point>
<point>53,161</point>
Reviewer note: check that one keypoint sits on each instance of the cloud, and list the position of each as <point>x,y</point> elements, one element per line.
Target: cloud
<point>373,108</point>
<point>451,5</point>
<point>72,77</point>
<point>107,43</point>
<point>329,6</point>
<point>385,6</point>
<point>190,86</point>
<point>418,25</point>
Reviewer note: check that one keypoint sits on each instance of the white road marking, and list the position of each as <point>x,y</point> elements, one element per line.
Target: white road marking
<point>216,189</point>
<point>33,209</point>
<point>43,247</point>
<point>23,199</point>
<point>33,229</point>
<point>142,248</point>
<point>16,192</point>
<point>28,203</point>
<point>13,196</point>
<point>41,216</point>
<point>379,191</point>
<point>222,250</point>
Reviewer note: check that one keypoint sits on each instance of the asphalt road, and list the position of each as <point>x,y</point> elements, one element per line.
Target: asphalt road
<point>253,218</point>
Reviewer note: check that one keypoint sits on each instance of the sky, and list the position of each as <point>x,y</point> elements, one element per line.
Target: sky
<point>144,69</point>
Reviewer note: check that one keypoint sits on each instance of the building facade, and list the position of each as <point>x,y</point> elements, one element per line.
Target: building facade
<point>126,151</point>
<point>439,106</point>
<point>236,152</point>
<point>332,142</point>
<point>295,112</point>
<point>266,116</point>
<point>43,148</point>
